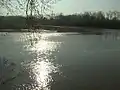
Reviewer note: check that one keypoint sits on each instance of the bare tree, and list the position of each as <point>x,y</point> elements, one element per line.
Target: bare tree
<point>30,8</point>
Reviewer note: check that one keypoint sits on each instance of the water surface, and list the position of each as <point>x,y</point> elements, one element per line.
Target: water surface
<point>59,61</point>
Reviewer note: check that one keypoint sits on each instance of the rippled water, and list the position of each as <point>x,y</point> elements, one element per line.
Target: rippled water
<point>59,61</point>
<point>32,54</point>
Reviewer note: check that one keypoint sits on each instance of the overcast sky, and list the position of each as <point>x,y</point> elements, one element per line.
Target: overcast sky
<point>76,6</point>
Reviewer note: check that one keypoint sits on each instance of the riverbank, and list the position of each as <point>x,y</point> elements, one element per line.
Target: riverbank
<point>46,28</point>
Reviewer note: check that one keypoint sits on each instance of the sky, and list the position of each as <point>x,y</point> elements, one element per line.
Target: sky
<point>77,6</point>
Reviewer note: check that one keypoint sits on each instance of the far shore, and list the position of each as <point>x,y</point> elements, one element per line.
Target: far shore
<point>84,30</point>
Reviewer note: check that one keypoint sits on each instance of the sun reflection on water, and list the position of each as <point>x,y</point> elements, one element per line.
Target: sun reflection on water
<point>41,68</point>
<point>41,72</point>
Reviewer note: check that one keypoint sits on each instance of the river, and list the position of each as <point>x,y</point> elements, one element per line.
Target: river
<point>59,61</point>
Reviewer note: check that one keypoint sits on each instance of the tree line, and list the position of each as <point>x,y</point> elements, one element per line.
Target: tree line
<point>98,19</point>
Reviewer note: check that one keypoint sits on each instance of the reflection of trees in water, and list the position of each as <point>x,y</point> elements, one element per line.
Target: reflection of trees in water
<point>112,35</point>
<point>22,80</point>
<point>31,38</point>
